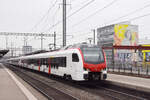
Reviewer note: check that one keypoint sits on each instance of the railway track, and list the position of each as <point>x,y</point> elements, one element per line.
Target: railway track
<point>106,91</point>
<point>129,93</point>
<point>50,92</point>
<point>119,95</point>
<point>115,92</point>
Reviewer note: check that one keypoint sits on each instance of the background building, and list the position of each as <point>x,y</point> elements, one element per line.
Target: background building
<point>118,35</point>
<point>26,49</point>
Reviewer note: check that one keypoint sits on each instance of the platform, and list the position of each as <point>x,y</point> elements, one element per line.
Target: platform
<point>11,88</point>
<point>142,84</point>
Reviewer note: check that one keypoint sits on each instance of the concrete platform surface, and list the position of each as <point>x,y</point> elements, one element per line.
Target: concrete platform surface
<point>11,88</point>
<point>142,84</point>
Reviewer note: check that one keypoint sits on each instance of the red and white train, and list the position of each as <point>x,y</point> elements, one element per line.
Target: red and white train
<point>79,62</point>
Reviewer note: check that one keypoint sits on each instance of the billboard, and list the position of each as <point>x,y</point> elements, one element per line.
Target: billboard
<point>125,35</point>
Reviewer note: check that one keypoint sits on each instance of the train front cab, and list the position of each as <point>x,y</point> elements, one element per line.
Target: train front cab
<point>95,75</point>
<point>83,69</point>
<point>94,63</point>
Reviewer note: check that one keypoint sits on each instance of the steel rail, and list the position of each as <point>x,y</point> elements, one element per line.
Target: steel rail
<point>122,93</point>
<point>40,90</point>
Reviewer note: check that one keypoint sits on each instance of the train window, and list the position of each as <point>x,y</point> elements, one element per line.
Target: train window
<point>75,57</point>
<point>58,62</point>
<point>44,61</point>
<point>62,61</point>
<point>57,66</point>
<point>29,61</point>
<point>40,62</point>
<point>35,62</point>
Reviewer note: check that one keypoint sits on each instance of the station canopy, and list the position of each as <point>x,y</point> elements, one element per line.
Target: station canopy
<point>3,52</point>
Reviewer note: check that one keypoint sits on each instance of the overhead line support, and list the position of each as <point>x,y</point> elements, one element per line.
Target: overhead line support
<point>64,23</point>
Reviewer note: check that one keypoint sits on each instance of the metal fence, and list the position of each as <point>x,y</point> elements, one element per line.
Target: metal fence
<point>139,68</point>
<point>128,60</point>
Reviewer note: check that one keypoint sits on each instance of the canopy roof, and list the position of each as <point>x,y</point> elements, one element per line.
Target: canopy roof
<point>3,52</point>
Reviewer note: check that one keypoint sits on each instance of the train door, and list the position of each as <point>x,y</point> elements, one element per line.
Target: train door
<point>76,70</point>
<point>44,64</point>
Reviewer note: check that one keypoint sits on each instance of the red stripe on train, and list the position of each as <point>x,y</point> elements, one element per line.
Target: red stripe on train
<point>39,66</point>
<point>49,68</point>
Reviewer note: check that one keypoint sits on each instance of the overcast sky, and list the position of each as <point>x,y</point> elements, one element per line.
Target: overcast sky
<point>85,15</point>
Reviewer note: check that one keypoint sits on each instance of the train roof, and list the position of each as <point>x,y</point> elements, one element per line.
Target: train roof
<point>58,52</point>
<point>45,55</point>
<point>80,45</point>
<point>36,52</point>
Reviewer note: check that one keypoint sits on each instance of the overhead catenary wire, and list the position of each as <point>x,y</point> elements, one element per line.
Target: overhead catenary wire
<point>135,18</point>
<point>78,4</point>
<point>80,8</point>
<point>130,13</point>
<point>81,35</point>
<point>139,9</point>
<point>75,36</point>
<point>54,25</point>
<point>43,17</point>
<point>108,5</point>
<point>138,17</point>
<point>132,19</point>
<point>93,14</point>
<point>54,16</point>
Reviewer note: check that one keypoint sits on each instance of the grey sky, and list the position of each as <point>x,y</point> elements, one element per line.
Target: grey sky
<point>23,15</point>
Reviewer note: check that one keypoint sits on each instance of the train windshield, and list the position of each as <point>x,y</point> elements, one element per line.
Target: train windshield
<point>93,55</point>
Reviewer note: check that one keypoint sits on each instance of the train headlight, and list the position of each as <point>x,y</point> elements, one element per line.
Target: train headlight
<point>104,71</point>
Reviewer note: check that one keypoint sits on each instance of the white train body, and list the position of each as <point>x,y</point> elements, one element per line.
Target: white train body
<point>69,63</point>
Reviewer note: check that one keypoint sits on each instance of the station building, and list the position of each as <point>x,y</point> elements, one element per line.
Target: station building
<point>118,35</point>
<point>145,54</point>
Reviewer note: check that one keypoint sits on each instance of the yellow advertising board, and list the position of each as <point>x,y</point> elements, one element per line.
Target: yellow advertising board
<point>125,35</point>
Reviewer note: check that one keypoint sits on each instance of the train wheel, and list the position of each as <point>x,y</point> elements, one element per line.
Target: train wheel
<point>65,76</point>
<point>69,77</point>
